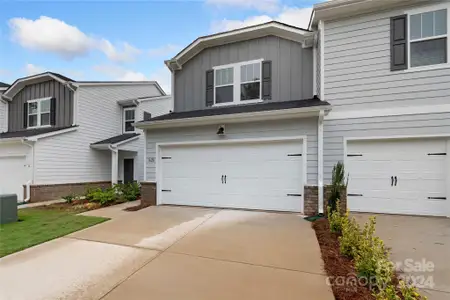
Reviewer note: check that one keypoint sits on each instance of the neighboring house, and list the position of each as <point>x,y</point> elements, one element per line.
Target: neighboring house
<point>3,108</point>
<point>245,129</point>
<point>386,72</point>
<point>64,135</point>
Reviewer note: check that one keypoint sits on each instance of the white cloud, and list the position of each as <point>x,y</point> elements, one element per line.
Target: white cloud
<point>31,69</point>
<point>165,50</point>
<point>299,17</point>
<point>55,36</point>
<point>114,72</point>
<point>127,54</point>
<point>260,5</point>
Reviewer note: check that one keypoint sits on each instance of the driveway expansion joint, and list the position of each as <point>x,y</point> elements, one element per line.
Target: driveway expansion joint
<point>249,264</point>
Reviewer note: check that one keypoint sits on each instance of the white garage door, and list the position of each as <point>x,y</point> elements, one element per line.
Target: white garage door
<point>267,176</point>
<point>13,175</point>
<point>398,176</point>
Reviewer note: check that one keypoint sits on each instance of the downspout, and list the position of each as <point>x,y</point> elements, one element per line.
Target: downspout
<point>29,182</point>
<point>320,160</point>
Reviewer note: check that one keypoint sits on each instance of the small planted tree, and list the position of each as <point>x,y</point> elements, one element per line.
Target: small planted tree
<point>338,182</point>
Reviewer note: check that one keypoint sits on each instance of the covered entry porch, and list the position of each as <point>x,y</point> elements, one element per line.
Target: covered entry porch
<point>124,156</point>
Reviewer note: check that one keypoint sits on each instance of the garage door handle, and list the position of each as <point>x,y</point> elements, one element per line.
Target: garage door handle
<point>395,180</point>
<point>392,180</point>
<point>225,179</point>
<point>222,179</point>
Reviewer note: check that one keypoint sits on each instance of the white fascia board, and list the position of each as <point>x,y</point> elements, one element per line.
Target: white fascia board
<point>386,112</point>
<point>154,98</point>
<point>18,84</point>
<point>11,140</point>
<point>126,141</point>
<point>50,134</point>
<point>238,118</point>
<point>240,34</point>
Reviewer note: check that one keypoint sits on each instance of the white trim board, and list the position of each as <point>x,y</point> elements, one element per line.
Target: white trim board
<point>385,112</point>
<point>237,118</point>
<point>158,146</point>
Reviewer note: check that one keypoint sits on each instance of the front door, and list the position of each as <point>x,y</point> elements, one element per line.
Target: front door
<point>128,170</point>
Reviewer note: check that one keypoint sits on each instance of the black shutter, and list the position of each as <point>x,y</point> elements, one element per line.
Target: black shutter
<point>25,115</point>
<point>399,44</point>
<point>209,88</point>
<point>267,80</point>
<point>53,112</point>
<point>147,116</point>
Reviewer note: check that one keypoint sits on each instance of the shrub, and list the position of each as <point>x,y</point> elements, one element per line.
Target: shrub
<point>337,183</point>
<point>371,251</point>
<point>388,293</point>
<point>335,218</point>
<point>102,196</point>
<point>69,198</point>
<point>128,191</point>
<point>90,192</point>
<point>410,292</point>
<point>351,236</point>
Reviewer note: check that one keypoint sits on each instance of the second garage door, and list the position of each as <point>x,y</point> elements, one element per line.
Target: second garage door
<point>13,175</point>
<point>258,175</point>
<point>398,176</point>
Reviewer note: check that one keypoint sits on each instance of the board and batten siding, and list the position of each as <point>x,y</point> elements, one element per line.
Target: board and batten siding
<point>292,70</point>
<point>3,115</point>
<point>389,126</point>
<point>68,158</point>
<point>51,88</point>
<point>236,131</point>
<point>358,73</point>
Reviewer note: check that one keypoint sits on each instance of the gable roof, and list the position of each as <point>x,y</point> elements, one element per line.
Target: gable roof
<point>72,84</point>
<point>31,132</point>
<point>270,28</point>
<point>3,85</point>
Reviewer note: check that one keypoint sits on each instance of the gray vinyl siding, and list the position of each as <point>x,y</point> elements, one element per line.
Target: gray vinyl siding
<point>358,74</point>
<point>407,125</point>
<point>292,70</point>
<point>275,129</point>
<point>51,88</point>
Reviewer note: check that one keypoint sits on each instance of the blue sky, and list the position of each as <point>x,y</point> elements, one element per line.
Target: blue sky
<point>118,40</point>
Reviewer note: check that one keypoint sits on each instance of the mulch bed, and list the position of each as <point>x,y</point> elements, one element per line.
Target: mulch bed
<point>340,270</point>
<point>137,207</point>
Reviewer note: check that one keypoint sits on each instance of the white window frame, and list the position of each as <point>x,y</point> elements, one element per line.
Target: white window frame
<point>237,83</point>
<point>39,113</point>
<point>125,119</point>
<point>422,10</point>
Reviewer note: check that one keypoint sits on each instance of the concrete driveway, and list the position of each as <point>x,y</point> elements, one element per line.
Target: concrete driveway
<point>420,247</point>
<point>173,253</point>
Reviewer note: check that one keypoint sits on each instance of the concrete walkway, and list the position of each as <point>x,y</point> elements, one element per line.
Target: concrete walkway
<point>174,253</point>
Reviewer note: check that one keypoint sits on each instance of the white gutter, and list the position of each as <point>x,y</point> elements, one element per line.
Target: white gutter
<point>238,117</point>
<point>320,160</point>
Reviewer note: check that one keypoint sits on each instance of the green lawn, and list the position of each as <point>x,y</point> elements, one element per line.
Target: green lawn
<point>40,225</point>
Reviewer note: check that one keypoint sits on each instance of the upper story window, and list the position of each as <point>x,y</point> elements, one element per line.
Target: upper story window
<point>128,119</point>
<point>428,38</point>
<point>238,83</point>
<point>39,112</point>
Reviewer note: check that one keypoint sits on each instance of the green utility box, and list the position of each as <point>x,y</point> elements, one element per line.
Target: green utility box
<point>8,209</point>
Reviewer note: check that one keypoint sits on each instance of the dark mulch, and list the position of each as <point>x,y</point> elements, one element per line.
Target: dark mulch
<point>137,207</point>
<point>340,270</point>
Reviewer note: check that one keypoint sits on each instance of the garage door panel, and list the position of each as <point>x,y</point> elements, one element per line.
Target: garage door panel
<point>13,175</point>
<point>258,175</point>
<point>419,176</point>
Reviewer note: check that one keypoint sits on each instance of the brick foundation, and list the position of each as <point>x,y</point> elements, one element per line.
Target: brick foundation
<point>148,193</point>
<point>45,192</point>
<point>311,199</point>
